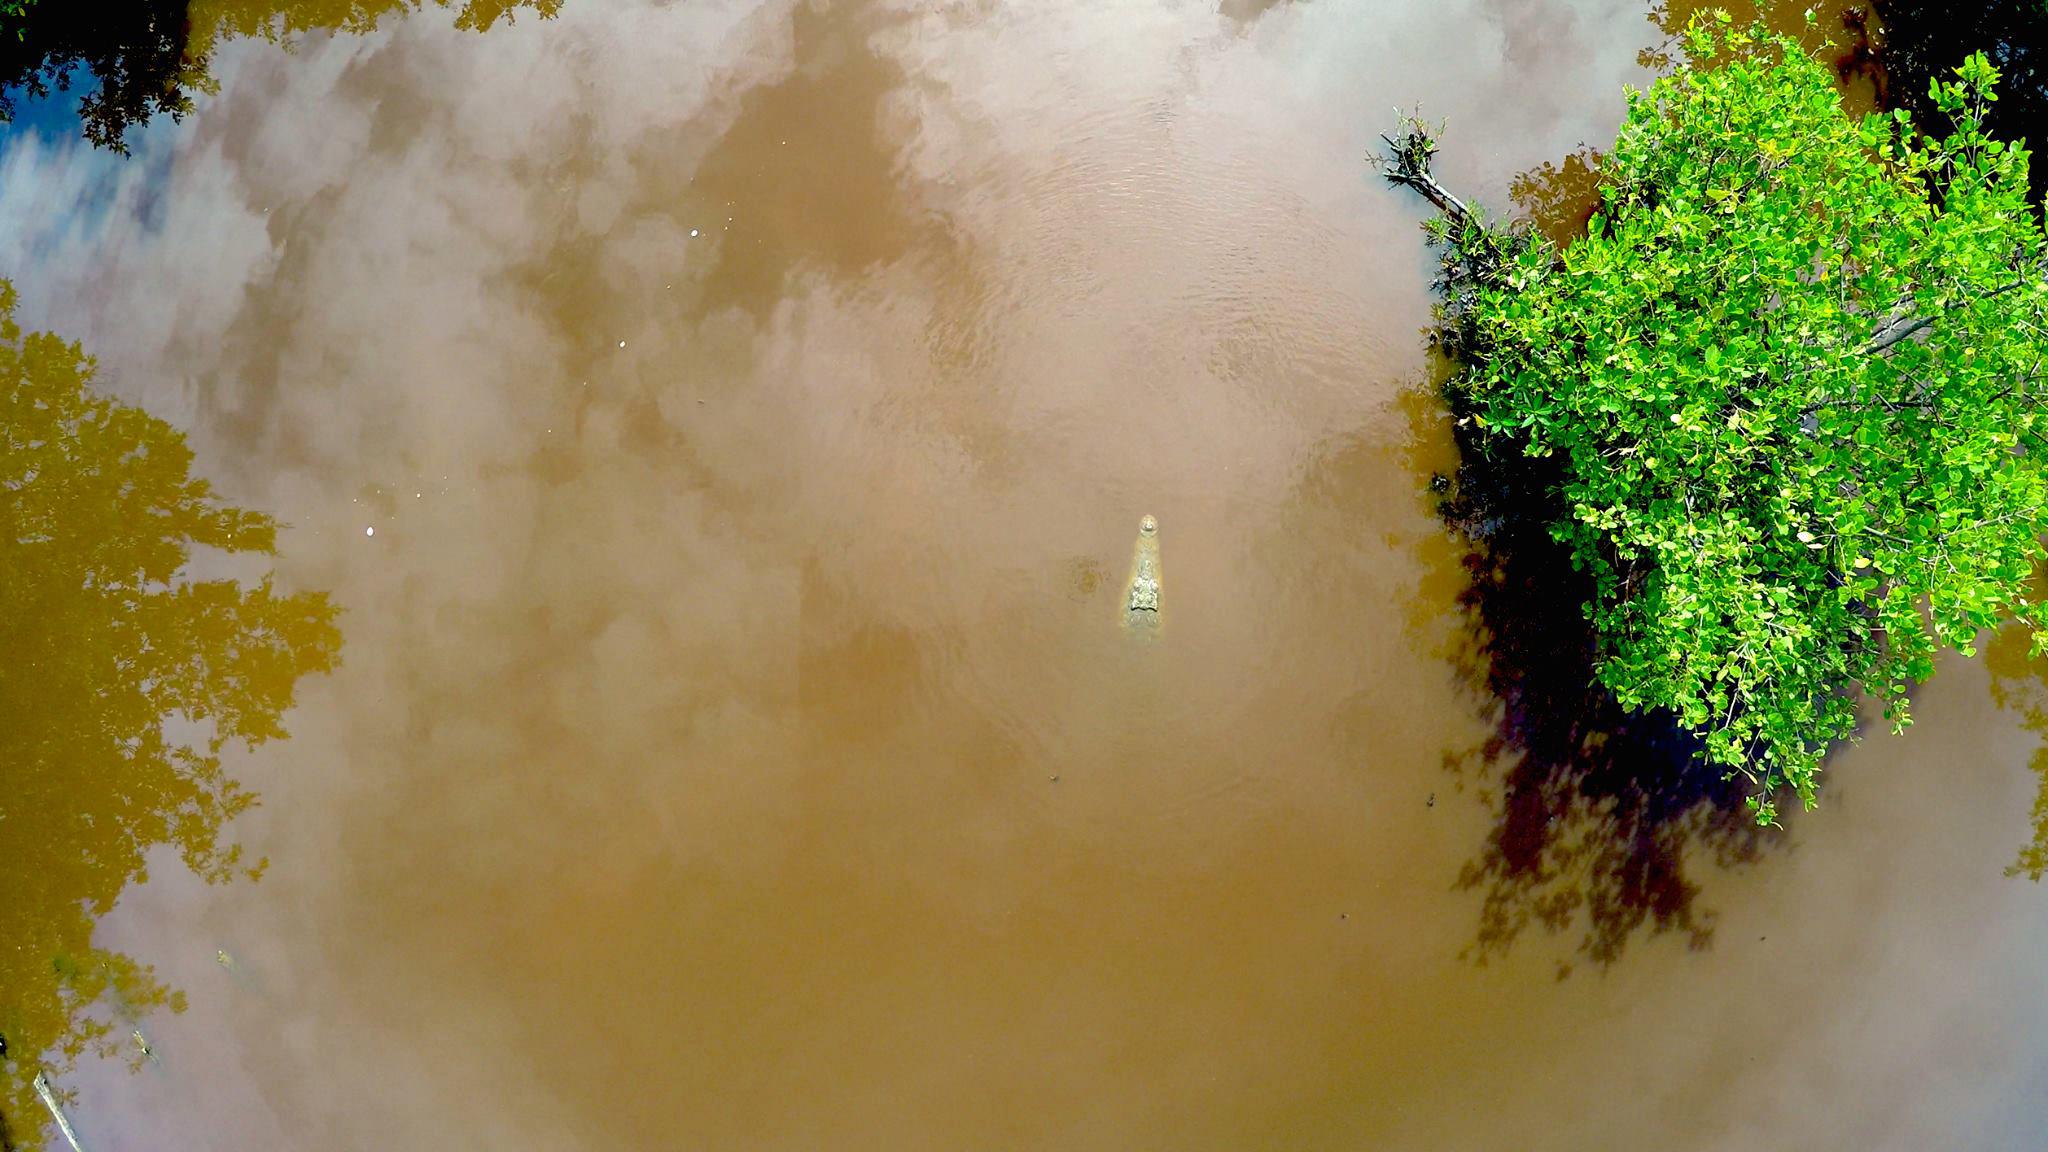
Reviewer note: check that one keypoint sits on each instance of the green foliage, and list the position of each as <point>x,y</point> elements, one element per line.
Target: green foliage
<point>123,683</point>
<point>11,13</point>
<point>1926,39</point>
<point>1792,377</point>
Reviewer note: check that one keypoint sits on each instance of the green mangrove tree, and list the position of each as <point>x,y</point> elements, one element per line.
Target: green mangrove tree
<point>1792,380</point>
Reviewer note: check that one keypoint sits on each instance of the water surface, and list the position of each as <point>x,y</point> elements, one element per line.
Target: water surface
<point>724,426</point>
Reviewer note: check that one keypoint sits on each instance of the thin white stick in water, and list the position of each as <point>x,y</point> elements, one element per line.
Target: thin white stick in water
<point>57,1110</point>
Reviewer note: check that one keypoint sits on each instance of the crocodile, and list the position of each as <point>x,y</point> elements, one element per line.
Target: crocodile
<point>1141,595</point>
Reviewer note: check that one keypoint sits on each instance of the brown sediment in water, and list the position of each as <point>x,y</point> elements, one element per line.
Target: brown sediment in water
<point>731,389</point>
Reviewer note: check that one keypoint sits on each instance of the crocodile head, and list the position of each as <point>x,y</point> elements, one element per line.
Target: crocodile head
<point>1148,525</point>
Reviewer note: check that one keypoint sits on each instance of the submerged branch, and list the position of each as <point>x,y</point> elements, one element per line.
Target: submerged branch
<point>1476,253</point>
<point>1407,164</point>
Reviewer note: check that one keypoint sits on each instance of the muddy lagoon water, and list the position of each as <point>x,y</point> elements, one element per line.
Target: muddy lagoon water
<point>724,426</point>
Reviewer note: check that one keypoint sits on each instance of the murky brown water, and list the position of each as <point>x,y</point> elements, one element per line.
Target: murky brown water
<point>735,745</point>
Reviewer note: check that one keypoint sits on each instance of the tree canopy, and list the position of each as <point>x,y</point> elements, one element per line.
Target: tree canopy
<point>1791,377</point>
<point>123,683</point>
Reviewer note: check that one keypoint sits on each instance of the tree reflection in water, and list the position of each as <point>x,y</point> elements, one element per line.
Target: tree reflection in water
<point>2020,683</point>
<point>1558,197</point>
<point>123,683</point>
<point>143,58</point>
<point>1840,31</point>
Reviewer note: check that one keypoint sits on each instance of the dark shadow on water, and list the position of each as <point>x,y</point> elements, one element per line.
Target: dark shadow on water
<point>1604,821</point>
<point>1602,818</point>
<point>1923,40</point>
